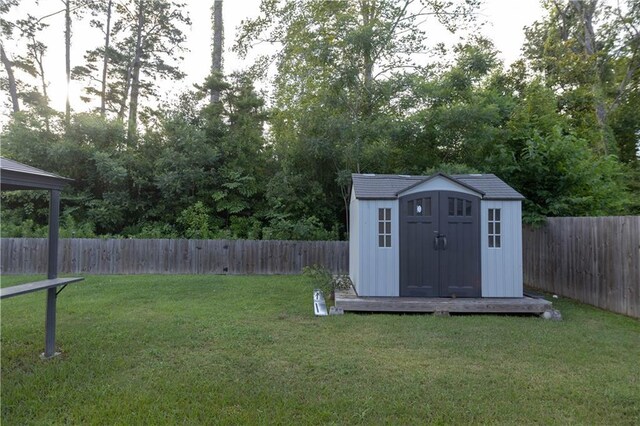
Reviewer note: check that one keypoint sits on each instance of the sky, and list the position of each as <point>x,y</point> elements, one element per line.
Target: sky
<point>505,22</point>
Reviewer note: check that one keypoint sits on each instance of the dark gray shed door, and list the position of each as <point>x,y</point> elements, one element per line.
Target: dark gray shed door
<point>440,244</point>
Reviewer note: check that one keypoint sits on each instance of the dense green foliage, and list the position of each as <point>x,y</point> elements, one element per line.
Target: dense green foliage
<point>206,350</point>
<point>561,125</point>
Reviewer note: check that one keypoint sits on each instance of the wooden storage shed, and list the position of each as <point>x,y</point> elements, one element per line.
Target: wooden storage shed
<point>436,236</point>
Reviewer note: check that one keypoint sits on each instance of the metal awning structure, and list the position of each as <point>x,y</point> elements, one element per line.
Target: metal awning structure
<point>18,176</point>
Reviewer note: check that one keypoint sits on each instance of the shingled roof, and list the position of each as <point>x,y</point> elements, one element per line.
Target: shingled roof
<point>15,175</point>
<point>381,187</point>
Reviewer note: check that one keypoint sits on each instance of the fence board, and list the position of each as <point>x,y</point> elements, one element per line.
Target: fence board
<point>156,256</point>
<point>595,260</point>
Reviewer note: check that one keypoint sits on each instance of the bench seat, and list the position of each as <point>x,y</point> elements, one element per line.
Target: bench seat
<point>17,290</point>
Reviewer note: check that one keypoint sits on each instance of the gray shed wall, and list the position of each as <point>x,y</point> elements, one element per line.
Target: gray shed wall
<point>502,267</point>
<point>354,240</point>
<point>378,269</point>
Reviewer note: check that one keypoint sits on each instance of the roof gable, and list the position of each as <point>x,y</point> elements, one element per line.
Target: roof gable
<point>437,176</point>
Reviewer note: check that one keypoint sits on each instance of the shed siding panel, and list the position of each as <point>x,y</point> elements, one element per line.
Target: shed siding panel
<point>354,240</point>
<point>502,267</point>
<point>516,228</point>
<point>379,266</point>
<point>439,184</point>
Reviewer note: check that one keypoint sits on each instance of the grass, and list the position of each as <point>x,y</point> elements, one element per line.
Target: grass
<point>247,350</point>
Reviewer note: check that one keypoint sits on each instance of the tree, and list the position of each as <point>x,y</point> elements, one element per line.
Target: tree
<point>11,80</point>
<point>460,112</point>
<point>341,67</point>
<point>155,38</point>
<point>244,158</point>
<point>141,41</point>
<point>29,28</point>
<point>558,172</point>
<point>6,31</point>
<point>67,57</point>
<point>590,55</point>
<point>105,59</point>
<point>107,69</point>
<point>135,73</point>
<point>33,63</point>
<point>344,52</point>
<point>185,167</point>
<point>216,55</point>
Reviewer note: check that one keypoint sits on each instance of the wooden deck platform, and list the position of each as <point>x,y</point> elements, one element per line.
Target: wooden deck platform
<point>349,301</point>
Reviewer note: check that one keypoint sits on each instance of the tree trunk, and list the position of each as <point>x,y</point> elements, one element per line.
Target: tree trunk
<point>38,56</point>
<point>67,45</point>
<point>216,56</point>
<point>13,91</point>
<point>366,10</point>
<point>125,94</point>
<point>363,107</point>
<point>586,10</point>
<point>345,198</point>
<point>105,62</point>
<point>135,76</point>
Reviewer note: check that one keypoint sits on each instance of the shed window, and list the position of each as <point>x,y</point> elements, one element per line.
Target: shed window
<point>494,228</point>
<point>419,207</point>
<point>459,207</point>
<point>384,227</point>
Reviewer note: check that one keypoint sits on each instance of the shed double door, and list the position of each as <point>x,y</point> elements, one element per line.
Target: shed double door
<point>440,244</point>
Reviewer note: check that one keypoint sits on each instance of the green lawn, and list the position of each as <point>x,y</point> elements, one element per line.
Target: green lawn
<point>247,350</point>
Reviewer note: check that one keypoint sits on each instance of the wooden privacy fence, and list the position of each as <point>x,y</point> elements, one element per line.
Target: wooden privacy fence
<point>158,256</point>
<point>595,260</point>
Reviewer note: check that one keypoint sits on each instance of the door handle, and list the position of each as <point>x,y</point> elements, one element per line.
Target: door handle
<point>435,242</point>
<point>444,240</point>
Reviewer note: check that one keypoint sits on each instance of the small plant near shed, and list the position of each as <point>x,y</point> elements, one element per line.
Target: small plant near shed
<point>322,278</point>
<point>342,282</point>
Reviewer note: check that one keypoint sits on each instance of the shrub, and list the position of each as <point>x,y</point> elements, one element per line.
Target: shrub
<point>342,282</point>
<point>309,228</point>
<point>321,278</point>
<point>152,230</point>
<point>195,222</point>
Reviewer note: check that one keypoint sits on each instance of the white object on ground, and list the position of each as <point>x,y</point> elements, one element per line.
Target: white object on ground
<point>319,305</point>
<point>552,314</point>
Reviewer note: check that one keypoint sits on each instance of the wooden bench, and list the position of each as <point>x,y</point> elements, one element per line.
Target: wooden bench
<point>51,285</point>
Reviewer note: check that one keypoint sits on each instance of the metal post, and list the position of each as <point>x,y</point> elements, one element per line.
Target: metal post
<point>54,225</point>
<point>50,325</point>
<point>52,273</point>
